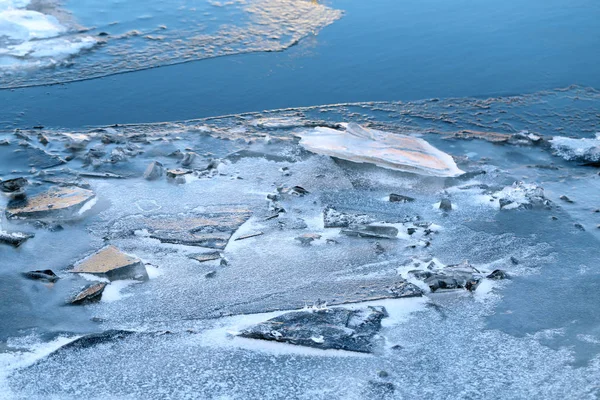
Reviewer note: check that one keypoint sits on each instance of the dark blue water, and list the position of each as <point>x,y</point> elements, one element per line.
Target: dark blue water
<point>379,50</point>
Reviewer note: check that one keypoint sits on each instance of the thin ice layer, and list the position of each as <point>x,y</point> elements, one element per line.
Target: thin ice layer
<point>384,149</point>
<point>133,37</point>
<point>31,39</point>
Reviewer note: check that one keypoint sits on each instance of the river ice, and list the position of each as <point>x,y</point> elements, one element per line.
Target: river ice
<point>248,181</point>
<point>42,42</point>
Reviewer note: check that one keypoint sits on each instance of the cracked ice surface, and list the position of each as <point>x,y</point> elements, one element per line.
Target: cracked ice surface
<point>41,42</point>
<point>534,335</point>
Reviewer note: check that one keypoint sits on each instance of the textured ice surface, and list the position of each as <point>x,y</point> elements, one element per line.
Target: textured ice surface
<point>584,150</point>
<point>31,38</point>
<point>45,43</point>
<point>534,335</point>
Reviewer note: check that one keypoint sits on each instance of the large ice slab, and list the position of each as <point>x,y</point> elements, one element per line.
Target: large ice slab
<point>32,38</point>
<point>387,150</point>
<point>211,228</point>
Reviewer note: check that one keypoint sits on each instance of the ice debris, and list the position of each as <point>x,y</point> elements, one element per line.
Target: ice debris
<point>113,264</point>
<point>444,277</point>
<point>335,219</point>
<point>388,150</point>
<point>522,196</point>
<point>90,294</point>
<point>371,231</point>
<point>46,275</point>
<point>14,238</point>
<point>400,198</point>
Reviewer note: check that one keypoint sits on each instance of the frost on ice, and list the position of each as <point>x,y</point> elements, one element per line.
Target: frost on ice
<point>384,149</point>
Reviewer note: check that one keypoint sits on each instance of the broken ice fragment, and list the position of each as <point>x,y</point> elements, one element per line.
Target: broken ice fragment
<point>103,175</point>
<point>384,149</point>
<point>15,238</point>
<point>357,291</point>
<point>399,198</point>
<point>497,274</point>
<point>250,235</point>
<point>46,275</point>
<point>210,274</point>
<point>460,276</point>
<point>445,205</point>
<point>522,196</point>
<point>41,159</point>
<point>371,231</point>
<point>56,203</point>
<point>566,199</point>
<point>90,294</point>
<point>335,219</point>
<point>334,328</point>
<point>113,264</point>
<point>13,185</point>
<point>278,122</point>
<point>176,173</point>
<point>203,257</point>
<point>212,228</point>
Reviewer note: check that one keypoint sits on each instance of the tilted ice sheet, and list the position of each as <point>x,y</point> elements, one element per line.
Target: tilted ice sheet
<point>37,43</point>
<point>384,149</point>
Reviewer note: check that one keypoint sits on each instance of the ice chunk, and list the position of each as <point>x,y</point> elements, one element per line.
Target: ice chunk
<point>522,196</point>
<point>384,149</point>
<point>335,328</point>
<point>584,150</point>
<point>15,238</point>
<point>19,24</point>
<point>335,219</point>
<point>113,264</point>
<point>56,203</point>
<point>89,294</point>
<point>212,228</point>
<point>371,231</point>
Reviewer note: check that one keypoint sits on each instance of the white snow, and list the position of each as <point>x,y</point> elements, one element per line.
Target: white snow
<point>19,24</point>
